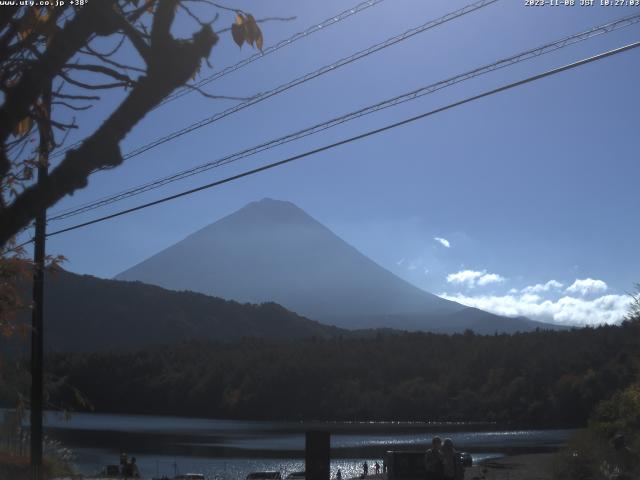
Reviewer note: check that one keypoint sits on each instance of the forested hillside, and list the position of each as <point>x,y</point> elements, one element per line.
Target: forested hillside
<point>86,313</point>
<point>538,378</point>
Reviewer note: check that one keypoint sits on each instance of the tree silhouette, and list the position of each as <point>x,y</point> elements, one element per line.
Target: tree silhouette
<point>61,49</point>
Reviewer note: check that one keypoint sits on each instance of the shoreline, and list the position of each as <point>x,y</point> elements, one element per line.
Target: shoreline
<point>532,466</point>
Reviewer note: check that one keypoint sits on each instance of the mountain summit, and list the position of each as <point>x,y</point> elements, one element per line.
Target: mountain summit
<point>272,251</point>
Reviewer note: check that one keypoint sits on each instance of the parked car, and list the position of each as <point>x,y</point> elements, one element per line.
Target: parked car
<point>296,476</point>
<point>264,476</point>
<point>465,459</point>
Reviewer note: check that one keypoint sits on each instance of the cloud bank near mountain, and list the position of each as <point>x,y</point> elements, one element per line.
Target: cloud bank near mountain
<point>582,303</point>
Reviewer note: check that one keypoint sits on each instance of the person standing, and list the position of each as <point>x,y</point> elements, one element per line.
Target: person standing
<point>135,473</point>
<point>433,462</point>
<point>451,463</point>
<point>124,459</point>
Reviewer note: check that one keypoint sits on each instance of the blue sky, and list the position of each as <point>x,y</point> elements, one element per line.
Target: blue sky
<point>533,185</point>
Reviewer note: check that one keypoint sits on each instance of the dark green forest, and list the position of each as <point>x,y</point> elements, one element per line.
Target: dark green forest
<point>538,378</point>
<point>86,313</point>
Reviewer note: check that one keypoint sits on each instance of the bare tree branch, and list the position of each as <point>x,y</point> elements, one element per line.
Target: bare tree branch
<point>63,46</point>
<point>76,97</point>
<point>102,70</point>
<point>110,53</point>
<point>72,107</point>
<point>216,97</point>
<point>134,37</point>
<point>105,58</point>
<point>170,66</point>
<point>90,86</point>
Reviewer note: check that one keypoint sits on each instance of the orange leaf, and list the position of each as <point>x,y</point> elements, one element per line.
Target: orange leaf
<point>22,127</point>
<point>42,14</point>
<point>251,30</point>
<point>259,39</point>
<point>237,32</point>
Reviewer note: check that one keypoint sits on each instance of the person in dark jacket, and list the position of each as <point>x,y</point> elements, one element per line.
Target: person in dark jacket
<point>433,461</point>
<point>451,463</point>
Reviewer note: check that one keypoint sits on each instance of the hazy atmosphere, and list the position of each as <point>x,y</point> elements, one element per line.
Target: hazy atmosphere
<point>331,240</point>
<point>515,204</point>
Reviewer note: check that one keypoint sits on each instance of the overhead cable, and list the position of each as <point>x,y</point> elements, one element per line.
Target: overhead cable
<point>412,95</point>
<point>361,136</point>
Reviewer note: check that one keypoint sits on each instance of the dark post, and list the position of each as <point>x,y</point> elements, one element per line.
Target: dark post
<point>36,341</point>
<point>37,377</point>
<point>316,456</point>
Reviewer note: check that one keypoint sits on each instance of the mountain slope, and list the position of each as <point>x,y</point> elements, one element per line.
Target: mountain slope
<point>85,313</point>
<point>273,251</point>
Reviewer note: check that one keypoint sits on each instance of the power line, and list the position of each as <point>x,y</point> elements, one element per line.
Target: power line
<point>505,62</point>
<point>361,136</point>
<point>273,48</point>
<point>338,17</point>
<point>310,76</point>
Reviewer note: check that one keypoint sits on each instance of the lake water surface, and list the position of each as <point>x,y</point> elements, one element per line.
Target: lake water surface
<point>229,449</point>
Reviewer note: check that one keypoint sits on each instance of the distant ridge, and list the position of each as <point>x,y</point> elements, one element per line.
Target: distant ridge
<point>85,313</point>
<point>271,250</point>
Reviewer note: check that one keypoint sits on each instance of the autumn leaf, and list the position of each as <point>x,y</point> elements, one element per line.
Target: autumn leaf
<point>38,20</point>
<point>251,30</point>
<point>245,29</point>
<point>27,172</point>
<point>259,39</point>
<point>42,14</point>
<point>22,127</point>
<point>28,23</point>
<point>237,30</point>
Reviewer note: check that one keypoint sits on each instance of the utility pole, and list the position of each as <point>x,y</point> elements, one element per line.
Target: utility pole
<point>37,376</point>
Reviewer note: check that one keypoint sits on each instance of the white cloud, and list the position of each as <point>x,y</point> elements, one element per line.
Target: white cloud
<point>426,271</point>
<point>571,311</point>
<point>443,241</point>
<point>587,286</point>
<point>471,278</point>
<point>464,277</point>
<point>400,262</point>
<point>490,278</point>
<point>530,298</point>
<point>542,287</point>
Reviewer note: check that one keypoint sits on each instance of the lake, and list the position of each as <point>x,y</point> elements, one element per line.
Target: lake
<point>229,449</point>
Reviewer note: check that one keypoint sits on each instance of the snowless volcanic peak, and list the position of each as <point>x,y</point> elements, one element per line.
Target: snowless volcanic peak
<point>273,251</point>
